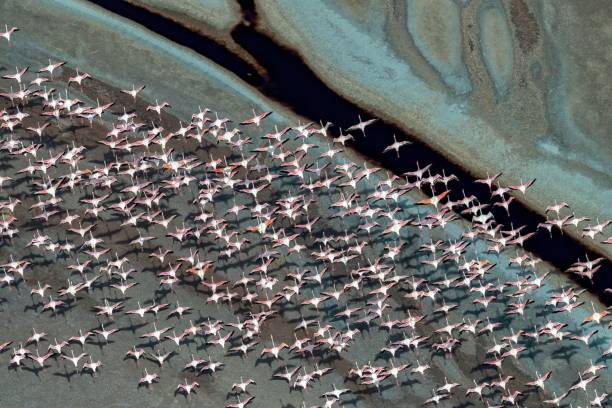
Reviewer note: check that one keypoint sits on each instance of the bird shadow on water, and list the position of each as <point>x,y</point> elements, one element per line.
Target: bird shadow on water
<point>66,374</point>
<point>464,405</point>
<point>34,306</point>
<point>35,370</point>
<point>565,352</point>
<point>531,353</point>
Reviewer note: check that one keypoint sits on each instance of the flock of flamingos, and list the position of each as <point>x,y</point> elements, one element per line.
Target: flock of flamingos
<point>262,229</point>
